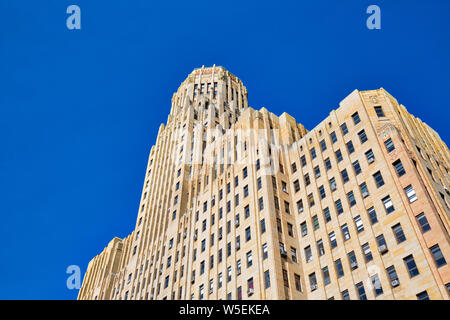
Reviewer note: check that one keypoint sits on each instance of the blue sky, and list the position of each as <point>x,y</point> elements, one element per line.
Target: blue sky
<point>80,109</point>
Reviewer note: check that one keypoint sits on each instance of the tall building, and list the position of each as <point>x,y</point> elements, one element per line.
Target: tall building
<point>242,204</point>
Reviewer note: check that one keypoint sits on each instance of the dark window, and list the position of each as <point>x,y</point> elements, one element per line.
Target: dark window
<point>399,168</point>
<point>389,145</point>
<point>398,233</point>
<point>356,118</point>
<point>423,222</point>
<point>411,266</point>
<point>362,136</point>
<point>438,256</point>
<point>379,111</point>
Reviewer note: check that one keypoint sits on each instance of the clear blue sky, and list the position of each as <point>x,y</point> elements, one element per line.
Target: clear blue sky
<point>79,110</point>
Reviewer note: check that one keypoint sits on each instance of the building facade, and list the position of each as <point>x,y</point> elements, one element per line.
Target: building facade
<point>242,204</point>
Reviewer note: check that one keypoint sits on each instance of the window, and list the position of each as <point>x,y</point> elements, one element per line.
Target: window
<point>339,268</point>
<point>327,215</point>
<point>287,207</point>
<point>327,164</point>
<point>364,190</point>
<point>379,111</point>
<point>423,222</point>
<point>308,254</point>
<point>339,208</point>
<point>361,291</point>
<point>315,222</point>
<point>248,234</point>
<point>285,279</point>
<point>338,154</point>
<point>313,153</point>
<point>352,260</point>
<point>265,251</point>
<point>356,118</point>
<point>358,223</point>
<point>378,179</point>
<point>261,203</point>
<point>398,233</point>
<point>246,191</point>
<point>362,136</point>
<point>323,145</point>
<point>370,156</point>
<point>345,232</point>
<point>411,266</point>
<point>322,192</point>
<point>307,180</point>
<point>344,175</point>
<point>389,145</point>
<point>317,171</point>
<point>313,281</point>
<point>311,200</point>
<point>376,283</point>
<point>298,285</point>
<point>294,254</point>
<point>410,193</point>
<point>249,259</point>
<point>333,242</point>
<point>300,206</point>
<point>344,129</point>
<point>382,246</point>
<point>296,186</point>
<point>372,215</point>
<point>304,229</point>
<point>399,168</point>
<point>244,172</point>
<point>303,160</point>
<point>351,198</point>
<point>438,256</point>
<point>263,225</point>
<point>393,278</point>
<point>290,230</point>
<point>388,204</point>
<point>320,248</point>
<point>266,279</point>
<point>366,251</point>
<point>350,147</point>
<point>345,295</point>
<point>294,167</point>
<point>258,183</point>
<point>247,211</point>
<point>333,137</point>
<point>326,275</point>
<point>422,296</point>
<point>356,167</point>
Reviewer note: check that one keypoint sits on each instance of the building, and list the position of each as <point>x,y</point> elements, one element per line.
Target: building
<point>243,204</point>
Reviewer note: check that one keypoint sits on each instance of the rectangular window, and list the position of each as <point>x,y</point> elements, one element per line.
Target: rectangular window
<point>308,254</point>
<point>382,246</point>
<point>351,198</point>
<point>265,251</point>
<point>323,145</point>
<point>389,145</point>
<point>361,291</point>
<point>376,284</point>
<point>338,154</point>
<point>423,296</point>
<point>350,147</point>
<point>366,251</point>
<point>303,160</point>
<point>333,137</point>
<point>411,266</point>
<point>266,279</point>
<point>344,175</point>
<point>358,223</point>
<point>356,118</point>
<point>345,231</point>
<point>344,129</point>
<point>326,275</point>
<point>304,229</point>
<point>410,193</point>
<point>313,281</point>
<point>423,222</point>
<point>326,214</point>
<point>322,192</point>
<point>333,242</point>
<point>313,153</point>
<point>438,256</point>
<point>398,233</point>
<point>345,295</point>
<point>339,268</point>
<point>320,247</point>
<point>379,111</point>
<point>315,222</point>
<point>339,208</point>
<point>393,278</point>
<point>388,204</point>
<point>399,168</point>
<point>370,156</point>
<point>296,186</point>
<point>372,215</point>
<point>378,179</point>
<point>327,164</point>
<point>362,136</point>
<point>352,260</point>
<point>364,190</point>
<point>356,167</point>
<point>298,285</point>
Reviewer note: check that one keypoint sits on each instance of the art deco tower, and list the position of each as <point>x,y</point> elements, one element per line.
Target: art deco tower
<point>243,204</point>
